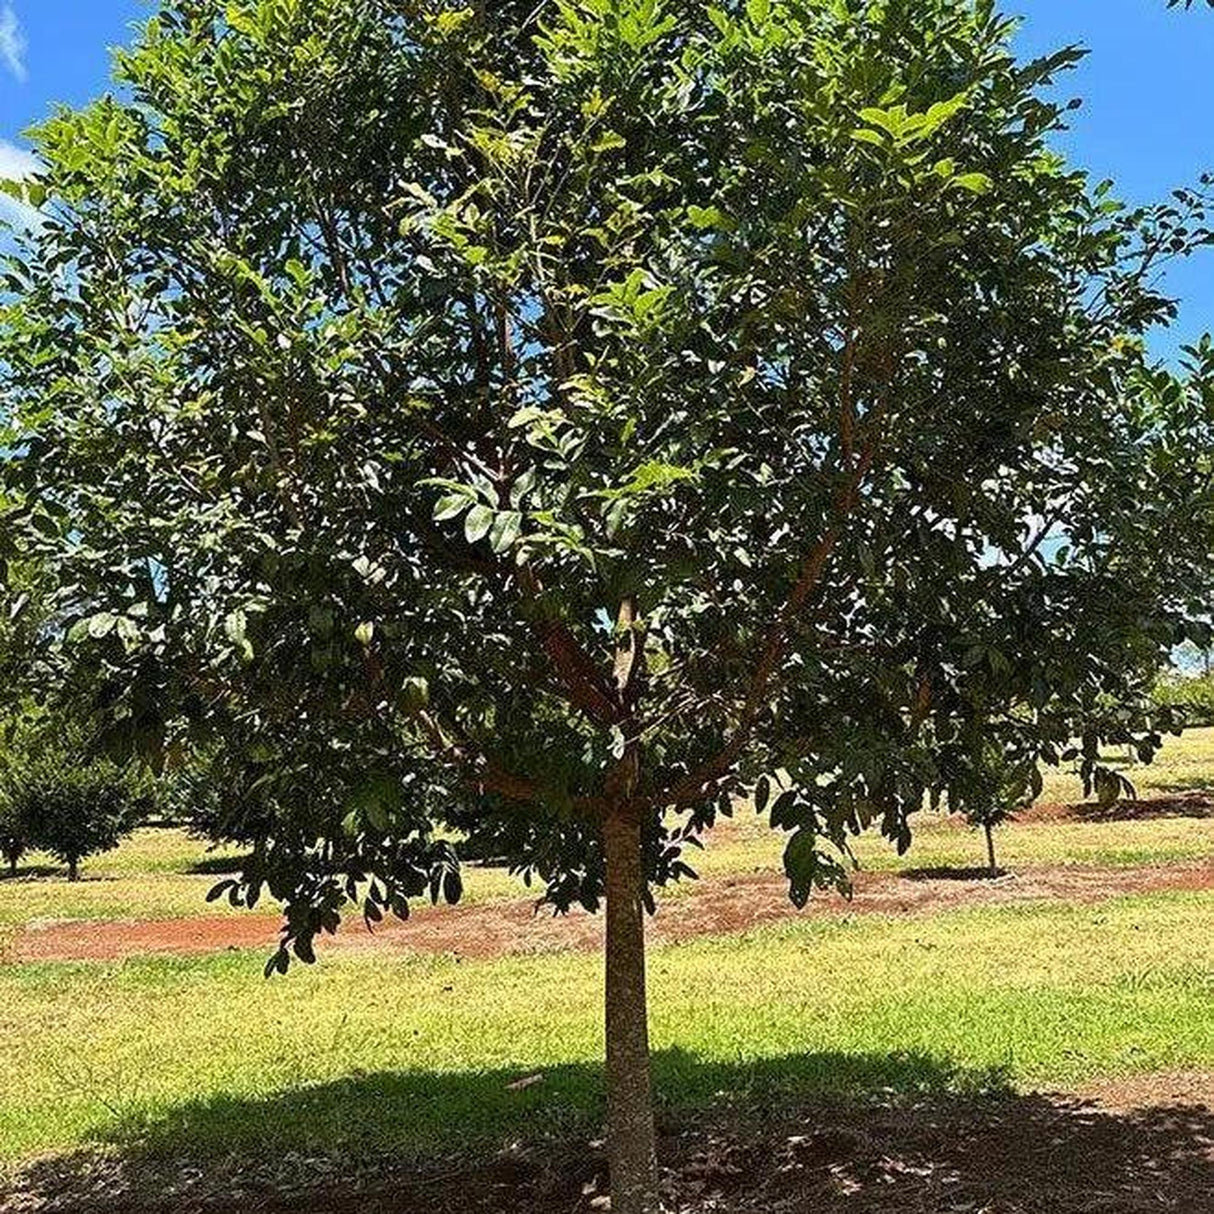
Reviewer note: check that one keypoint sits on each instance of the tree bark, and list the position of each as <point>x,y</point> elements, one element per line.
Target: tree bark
<point>631,1143</point>
<point>73,870</point>
<point>990,849</point>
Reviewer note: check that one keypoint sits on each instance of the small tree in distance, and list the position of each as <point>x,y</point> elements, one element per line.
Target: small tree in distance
<point>563,417</point>
<point>62,802</point>
<point>999,787</point>
<point>14,842</point>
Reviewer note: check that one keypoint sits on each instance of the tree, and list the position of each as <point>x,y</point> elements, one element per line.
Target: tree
<point>24,615</point>
<point>998,786</point>
<point>65,803</point>
<point>562,418</point>
<point>14,842</point>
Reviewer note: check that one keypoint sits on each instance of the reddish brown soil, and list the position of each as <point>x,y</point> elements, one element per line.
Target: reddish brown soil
<point>711,907</point>
<point>1034,1154</point>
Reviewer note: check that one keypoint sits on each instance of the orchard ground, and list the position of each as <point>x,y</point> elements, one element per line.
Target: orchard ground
<point>1040,1042</point>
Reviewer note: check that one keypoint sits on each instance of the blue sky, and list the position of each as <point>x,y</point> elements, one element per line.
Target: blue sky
<point>1148,85</point>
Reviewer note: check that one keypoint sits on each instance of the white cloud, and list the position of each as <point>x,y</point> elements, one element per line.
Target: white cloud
<point>12,41</point>
<point>15,164</point>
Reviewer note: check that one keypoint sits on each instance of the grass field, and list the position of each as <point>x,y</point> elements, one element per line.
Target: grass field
<point>386,1052</point>
<point>154,874</point>
<point>205,1053</point>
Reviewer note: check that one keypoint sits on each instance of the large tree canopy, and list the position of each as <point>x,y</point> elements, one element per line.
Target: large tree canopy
<point>559,418</point>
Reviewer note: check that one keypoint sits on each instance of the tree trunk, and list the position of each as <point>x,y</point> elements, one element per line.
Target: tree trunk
<point>73,869</point>
<point>990,849</point>
<point>631,1145</point>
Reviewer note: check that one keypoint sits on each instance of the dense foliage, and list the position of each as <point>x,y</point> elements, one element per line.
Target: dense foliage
<point>57,798</point>
<point>558,418</point>
<point>1189,697</point>
<point>14,838</point>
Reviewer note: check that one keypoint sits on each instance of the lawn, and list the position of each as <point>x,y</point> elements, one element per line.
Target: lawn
<point>396,1053</point>
<point>381,1052</point>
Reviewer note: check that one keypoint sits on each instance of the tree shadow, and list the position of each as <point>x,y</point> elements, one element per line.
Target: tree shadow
<point>1186,804</point>
<point>218,866</point>
<point>952,874</point>
<point>830,1132</point>
<point>427,1110</point>
<point>32,872</point>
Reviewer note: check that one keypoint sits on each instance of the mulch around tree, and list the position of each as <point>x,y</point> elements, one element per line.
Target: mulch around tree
<point>1147,1149</point>
<point>709,907</point>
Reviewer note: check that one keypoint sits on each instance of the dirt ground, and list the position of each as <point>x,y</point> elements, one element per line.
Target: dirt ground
<point>1140,1148</point>
<point>710,907</point>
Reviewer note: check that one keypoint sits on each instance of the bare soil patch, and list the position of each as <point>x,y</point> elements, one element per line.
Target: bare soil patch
<point>711,907</point>
<point>1034,1154</point>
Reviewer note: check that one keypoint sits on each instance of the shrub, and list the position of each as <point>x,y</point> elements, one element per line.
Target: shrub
<point>73,807</point>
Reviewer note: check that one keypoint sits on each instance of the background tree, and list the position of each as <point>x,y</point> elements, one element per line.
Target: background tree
<point>560,417</point>
<point>993,791</point>
<point>63,801</point>
<point>14,841</point>
<point>24,617</point>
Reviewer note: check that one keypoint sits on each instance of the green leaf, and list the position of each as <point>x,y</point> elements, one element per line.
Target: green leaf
<point>477,524</point>
<point>608,141</point>
<point>523,486</point>
<point>415,694</point>
<point>762,794</point>
<point>975,183</point>
<point>235,627</point>
<point>709,217</point>
<point>505,530</point>
<point>451,506</point>
<point>864,134</point>
<point>101,625</point>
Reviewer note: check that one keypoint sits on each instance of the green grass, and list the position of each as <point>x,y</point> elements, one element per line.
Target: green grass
<point>150,876</point>
<point>748,845</point>
<point>153,875</point>
<point>394,1053</point>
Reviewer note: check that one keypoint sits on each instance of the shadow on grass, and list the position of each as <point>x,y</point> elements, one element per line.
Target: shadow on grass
<point>32,872</point>
<point>417,1112</point>
<point>1186,804</point>
<point>952,874</point>
<point>218,866</point>
<point>828,1132</point>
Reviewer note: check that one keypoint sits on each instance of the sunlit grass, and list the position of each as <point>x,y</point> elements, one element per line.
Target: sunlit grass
<point>151,876</point>
<point>204,1054</point>
<point>749,845</point>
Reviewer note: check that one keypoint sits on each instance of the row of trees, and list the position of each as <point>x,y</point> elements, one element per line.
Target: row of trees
<point>554,420</point>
